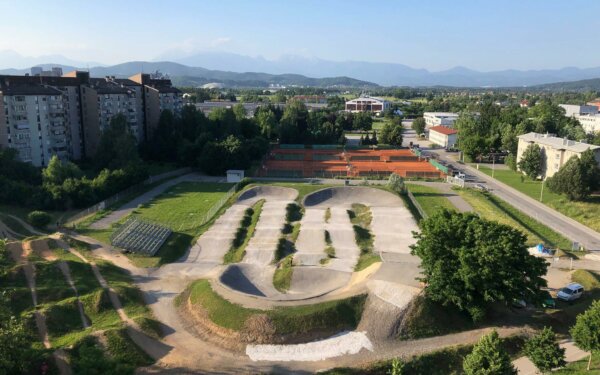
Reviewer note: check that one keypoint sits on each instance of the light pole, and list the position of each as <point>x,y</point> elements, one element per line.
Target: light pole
<point>542,191</point>
<point>493,165</point>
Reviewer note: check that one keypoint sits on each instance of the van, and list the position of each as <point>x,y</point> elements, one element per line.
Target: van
<point>571,292</point>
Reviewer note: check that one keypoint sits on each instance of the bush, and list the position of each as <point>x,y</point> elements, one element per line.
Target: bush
<point>39,219</point>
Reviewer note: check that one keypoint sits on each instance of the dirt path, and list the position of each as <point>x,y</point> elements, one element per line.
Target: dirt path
<point>19,254</point>
<point>27,226</point>
<point>572,354</point>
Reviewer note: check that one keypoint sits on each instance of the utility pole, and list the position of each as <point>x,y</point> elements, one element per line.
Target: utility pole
<point>542,191</point>
<point>493,165</point>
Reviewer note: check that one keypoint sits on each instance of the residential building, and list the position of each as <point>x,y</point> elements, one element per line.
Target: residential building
<point>555,151</point>
<point>439,119</point>
<point>159,95</point>
<point>443,136</point>
<point>595,103</point>
<point>524,103</point>
<point>590,123</point>
<point>576,110</point>
<point>39,71</point>
<point>45,114</point>
<point>367,104</point>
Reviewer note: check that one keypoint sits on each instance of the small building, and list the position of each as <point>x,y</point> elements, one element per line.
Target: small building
<point>439,118</point>
<point>524,103</point>
<point>577,110</point>
<point>555,151</point>
<point>443,136</point>
<point>235,175</point>
<point>367,104</point>
<point>595,103</point>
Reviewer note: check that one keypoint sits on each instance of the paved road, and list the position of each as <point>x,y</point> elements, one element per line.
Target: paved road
<point>566,226</point>
<point>572,354</point>
<point>446,189</point>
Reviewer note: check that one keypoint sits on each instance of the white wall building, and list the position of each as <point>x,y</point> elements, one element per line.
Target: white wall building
<point>576,110</point>
<point>443,136</point>
<point>555,151</point>
<point>367,104</point>
<point>590,123</point>
<point>439,118</point>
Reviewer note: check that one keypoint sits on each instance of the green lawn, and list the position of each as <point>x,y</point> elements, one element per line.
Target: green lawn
<point>584,212</point>
<point>340,314</point>
<point>244,234</point>
<point>580,367</point>
<point>493,208</point>
<point>183,206</point>
<point>303,188</point>
<point>430,199</point>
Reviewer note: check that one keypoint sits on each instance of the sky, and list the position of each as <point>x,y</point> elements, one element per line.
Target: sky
<point>431,34</point>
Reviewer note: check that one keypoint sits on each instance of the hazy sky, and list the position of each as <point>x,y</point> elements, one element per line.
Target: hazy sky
<point>436,35</point>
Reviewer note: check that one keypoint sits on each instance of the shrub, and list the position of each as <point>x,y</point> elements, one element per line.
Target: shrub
<point>39,219</point>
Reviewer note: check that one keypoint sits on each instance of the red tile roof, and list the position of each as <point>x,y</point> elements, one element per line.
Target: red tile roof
<point>443,130</point>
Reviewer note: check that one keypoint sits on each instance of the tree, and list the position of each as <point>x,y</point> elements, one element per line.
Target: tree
<point>488,358</point>
<point>586,331</point>
<point>58,171</point>
<point>531,161</point>
<point>396,183</point>
<point>362,121</point>
<point>418,125</point>
<point>391,134</point>
<point>543,350</point>
<point>117,146</point>
<point>466,265</point>
<point>577,178</point>
<point>267,122</point>
<point>16,354</point>
<point>397,367</point>
<point>39,218</point>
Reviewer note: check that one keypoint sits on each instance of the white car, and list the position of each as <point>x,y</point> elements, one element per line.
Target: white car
<point>571,292</point>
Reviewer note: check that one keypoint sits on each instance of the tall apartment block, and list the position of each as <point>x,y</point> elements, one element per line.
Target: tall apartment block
<point>46,115</point>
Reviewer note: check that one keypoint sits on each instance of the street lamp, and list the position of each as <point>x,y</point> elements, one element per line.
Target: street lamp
<point>542,190</point>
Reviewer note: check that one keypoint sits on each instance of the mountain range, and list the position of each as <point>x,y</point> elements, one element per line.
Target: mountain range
<point>245,71</point>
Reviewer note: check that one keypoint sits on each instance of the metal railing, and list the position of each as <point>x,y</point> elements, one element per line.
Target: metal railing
<point>212,211</point>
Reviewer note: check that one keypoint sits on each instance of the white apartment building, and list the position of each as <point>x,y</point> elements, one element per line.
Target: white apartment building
<point>34,122</point>
<point>439,119</point>
<point>443,136</point>
<point>555,151</point>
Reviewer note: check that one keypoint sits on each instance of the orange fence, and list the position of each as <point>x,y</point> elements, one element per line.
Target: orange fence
<point>351,163</point>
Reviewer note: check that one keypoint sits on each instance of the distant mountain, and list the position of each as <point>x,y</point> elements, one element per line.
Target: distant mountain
<point>9,58</point>
<point>583,85</point>
<point>387,74</point>
<point>183,75</point>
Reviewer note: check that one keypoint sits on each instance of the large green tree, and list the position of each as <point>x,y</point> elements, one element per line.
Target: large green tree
<point>391,134</point>
<point>362,121</point>
<point>117,147</point>
<point>488,358</point>
<point>58,171</point>
<point>418,125</point>
<point>577,178</point>
<point>543,350</point>
<point>531,162</point>
<point>470,262</point>
<point>586,331</point>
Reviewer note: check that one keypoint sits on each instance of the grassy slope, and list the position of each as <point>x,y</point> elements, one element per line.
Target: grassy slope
<point>430,199</point>
<point>584,212</point>
<point>343,313</point>
<point>493,208</point>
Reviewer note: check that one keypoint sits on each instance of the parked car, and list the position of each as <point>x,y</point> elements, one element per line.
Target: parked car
<point>547,300</point>
<point>571,292</point>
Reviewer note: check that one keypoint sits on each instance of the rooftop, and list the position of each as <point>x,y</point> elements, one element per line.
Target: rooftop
<point>557,143</point>
<point>26,88</point>
<point>367,98</point>
<point>441,114</point>
<point>443,130</point>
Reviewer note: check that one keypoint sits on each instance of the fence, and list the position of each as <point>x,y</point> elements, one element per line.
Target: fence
<point>416,204</point>
<point>122,194</point>
<point>455,181</point>
<point>213,210</point>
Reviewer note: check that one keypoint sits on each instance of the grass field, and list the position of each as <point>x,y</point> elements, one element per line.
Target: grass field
<point>360,217</point>
<point>303,188</point>
<point>182,208</point>
<point>430,199</point>
<point>493,208</point>
<point>244,234</point>
<point>584,212</point>
<point>340,314</point>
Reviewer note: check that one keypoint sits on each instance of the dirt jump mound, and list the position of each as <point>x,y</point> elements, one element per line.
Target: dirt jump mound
<point>347,195</point>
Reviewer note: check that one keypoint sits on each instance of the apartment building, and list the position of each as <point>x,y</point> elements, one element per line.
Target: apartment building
<point>159,95</point>
<point>555,151</point>
<point>443,136</point>
<point>577,110</point>
<point>439,119</point>
<point>47,115</point>
<point>590,123</point>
